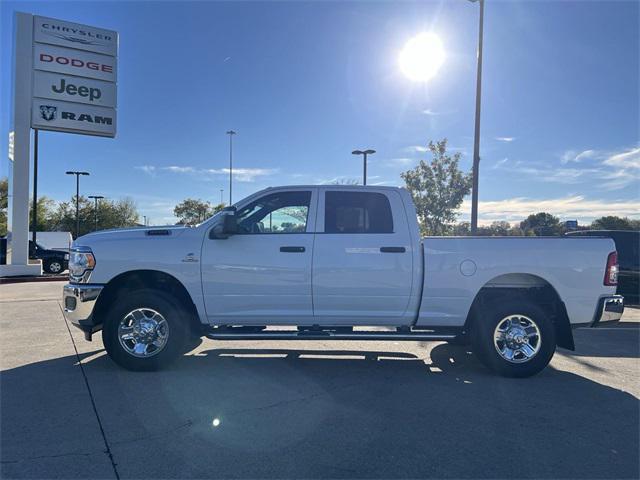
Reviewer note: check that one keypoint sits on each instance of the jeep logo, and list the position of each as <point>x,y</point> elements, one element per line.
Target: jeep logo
<point>82,91</point>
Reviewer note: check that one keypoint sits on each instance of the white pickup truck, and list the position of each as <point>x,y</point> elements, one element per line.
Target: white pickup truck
<point>336,262</point>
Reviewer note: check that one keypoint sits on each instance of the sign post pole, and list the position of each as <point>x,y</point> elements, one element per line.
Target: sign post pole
<point>18,211</point>
<point>34,219</point>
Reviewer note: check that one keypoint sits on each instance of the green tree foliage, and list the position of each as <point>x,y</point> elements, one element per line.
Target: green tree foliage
<point>541,224</point>
<point>438,188</point>
<point>612,222</point>
<point>110,214</point>
<point>217,208</point>
<point>4,203</point>
<point>61,216</point>
<point>46,207</point>
<point>193,211</point>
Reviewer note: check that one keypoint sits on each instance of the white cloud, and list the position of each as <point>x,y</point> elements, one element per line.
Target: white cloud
<point>416,149</point>
<point>627,159</point>
<point>400,162</point>
<point>499,163</point>
<point>240,174</point>
<point>148,169</point>
<point>570,207</point>
<point>602,170</point>
<point>574,156</point>
<point>176,169</point>
<point>506,139</point>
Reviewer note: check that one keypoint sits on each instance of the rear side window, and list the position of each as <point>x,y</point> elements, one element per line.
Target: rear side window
<point>357,212</point>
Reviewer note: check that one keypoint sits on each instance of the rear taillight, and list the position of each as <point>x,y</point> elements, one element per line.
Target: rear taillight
<point>611,273</point>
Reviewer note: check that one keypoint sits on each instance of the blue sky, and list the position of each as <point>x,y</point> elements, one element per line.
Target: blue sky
<point>305,83</point>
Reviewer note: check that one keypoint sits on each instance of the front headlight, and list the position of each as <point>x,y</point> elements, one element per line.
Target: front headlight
<point>81,263</point>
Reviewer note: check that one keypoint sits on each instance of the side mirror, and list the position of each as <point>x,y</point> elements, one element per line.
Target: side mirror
<point>228,226</point>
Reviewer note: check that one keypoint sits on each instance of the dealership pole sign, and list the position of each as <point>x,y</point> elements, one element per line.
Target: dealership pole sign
<point>74,78</point>
<point>65,80</point>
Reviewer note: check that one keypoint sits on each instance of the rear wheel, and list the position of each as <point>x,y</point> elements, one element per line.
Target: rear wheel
<point>514,339</point>
<point>145,330</point>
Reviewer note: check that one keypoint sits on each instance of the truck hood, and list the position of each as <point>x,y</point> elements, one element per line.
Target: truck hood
<point>133,233</point>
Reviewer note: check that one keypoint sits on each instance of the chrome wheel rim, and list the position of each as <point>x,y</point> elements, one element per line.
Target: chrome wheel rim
<point>55,267</point>
<point>143,332</point>
<point>517,338</point>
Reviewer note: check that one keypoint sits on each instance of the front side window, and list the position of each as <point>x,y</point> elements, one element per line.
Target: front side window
<point>280,212</point>
<point>357,212</point>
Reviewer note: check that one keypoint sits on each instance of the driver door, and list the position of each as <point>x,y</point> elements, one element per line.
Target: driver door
<point>262,275</point>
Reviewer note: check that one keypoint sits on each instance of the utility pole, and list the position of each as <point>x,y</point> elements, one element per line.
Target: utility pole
<point>476,137</point>
<point>221,197</point>
<point>364,153</point>
<point>77,174</point>
<point>95,210</point>
<point>231,133</point>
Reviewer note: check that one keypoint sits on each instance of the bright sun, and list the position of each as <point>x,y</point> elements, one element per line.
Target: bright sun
<point>422,56</point>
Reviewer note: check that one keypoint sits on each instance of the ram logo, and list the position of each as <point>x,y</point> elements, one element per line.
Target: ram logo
<point>48,112</point>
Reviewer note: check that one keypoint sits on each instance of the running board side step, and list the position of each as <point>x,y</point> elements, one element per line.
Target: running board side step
<point>221,334</point>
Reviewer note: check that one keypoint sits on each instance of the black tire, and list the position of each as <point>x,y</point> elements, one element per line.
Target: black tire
<point>178,331</point>
<point>54,266</point>
<point>484,328</point>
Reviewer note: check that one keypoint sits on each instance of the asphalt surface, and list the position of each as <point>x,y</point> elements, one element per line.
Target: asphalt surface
<point>309,409</point>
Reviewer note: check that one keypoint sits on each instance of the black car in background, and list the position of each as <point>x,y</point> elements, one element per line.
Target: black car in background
<point>53,261</point>
<point>628,247</point>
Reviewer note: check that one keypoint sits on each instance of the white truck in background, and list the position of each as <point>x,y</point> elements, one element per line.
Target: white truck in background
<point>336,262</point>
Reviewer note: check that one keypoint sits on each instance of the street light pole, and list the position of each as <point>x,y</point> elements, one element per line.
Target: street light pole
<point>231,133</point>
<point>476,138</point>
<point>95,210</point>
<point>364,154</point>
<point>77,174</point>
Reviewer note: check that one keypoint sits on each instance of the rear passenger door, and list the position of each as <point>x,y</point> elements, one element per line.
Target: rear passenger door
<point>362,259</point>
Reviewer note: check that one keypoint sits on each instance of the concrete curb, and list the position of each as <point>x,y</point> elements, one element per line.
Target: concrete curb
<point>43,278</point>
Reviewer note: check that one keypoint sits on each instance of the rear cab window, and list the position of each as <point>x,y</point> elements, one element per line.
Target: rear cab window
<point>357,212</point>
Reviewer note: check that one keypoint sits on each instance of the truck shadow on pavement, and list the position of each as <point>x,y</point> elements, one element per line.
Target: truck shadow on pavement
<point>293,413</point>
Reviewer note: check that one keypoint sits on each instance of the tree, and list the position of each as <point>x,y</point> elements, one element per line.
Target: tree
<point>45,211</point>
<point>344,181</point>
<point>541,224</point>
<point>111,214</point>
<point>193,211</point>
<point>218,208</point>
<point>496,229</point>
<point>612,222</point>
<point>4,203</point>
<point>438,188</point>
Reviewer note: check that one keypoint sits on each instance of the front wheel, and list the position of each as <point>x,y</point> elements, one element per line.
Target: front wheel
<point>145,330</point>
<point>514,339</point>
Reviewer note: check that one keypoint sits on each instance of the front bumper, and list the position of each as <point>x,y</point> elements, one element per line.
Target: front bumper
<point>610,310</point>
<point>79,301</point>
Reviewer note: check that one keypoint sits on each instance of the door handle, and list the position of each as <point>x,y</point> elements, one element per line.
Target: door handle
<point>292,249</point>
<point>393,249</point>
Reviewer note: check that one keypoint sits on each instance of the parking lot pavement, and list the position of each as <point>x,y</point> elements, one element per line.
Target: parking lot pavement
<point>309,409</point>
